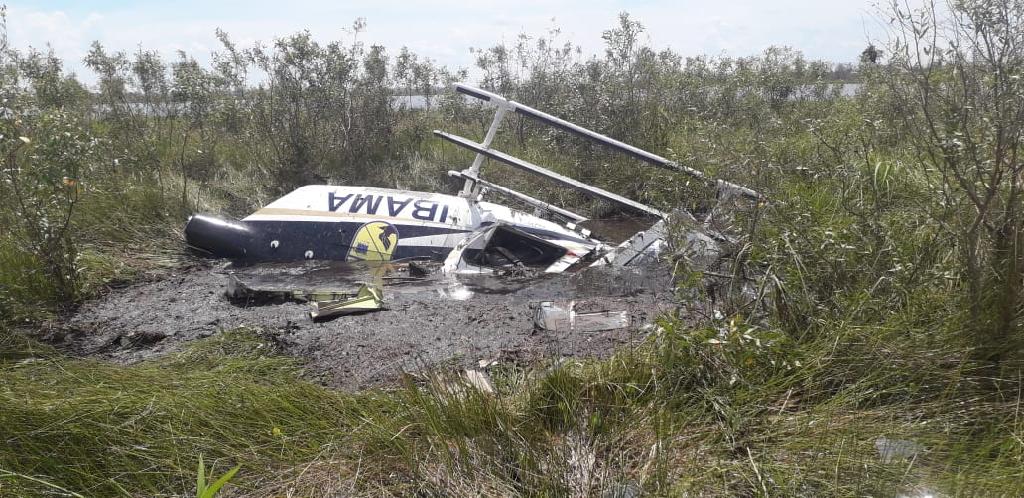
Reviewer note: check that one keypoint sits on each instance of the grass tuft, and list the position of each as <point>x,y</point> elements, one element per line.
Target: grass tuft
<point>709,411</point>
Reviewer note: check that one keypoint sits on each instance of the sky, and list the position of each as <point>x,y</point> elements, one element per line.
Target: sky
<point>442,30</point>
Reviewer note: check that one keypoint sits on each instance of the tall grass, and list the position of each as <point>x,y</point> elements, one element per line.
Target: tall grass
<point>724,411</point>
<point>106,430</point>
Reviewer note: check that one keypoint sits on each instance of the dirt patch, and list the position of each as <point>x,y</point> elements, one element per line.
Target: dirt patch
<point>431,321</point>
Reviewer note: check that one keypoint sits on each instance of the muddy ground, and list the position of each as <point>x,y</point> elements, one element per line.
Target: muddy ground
<point>431,321</point>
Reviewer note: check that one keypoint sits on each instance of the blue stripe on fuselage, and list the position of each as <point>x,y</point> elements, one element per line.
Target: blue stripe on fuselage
<point>330,240</point>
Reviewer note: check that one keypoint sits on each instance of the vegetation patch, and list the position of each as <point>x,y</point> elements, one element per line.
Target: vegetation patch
<point>864,339</point>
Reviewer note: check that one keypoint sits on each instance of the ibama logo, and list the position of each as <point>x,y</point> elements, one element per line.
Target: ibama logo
<point>374,241</point>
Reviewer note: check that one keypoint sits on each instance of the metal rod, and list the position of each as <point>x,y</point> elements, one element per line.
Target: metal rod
<point>538,170</point>
<point>638,153</point>
<point>537,203</point>
<point>470,189</point>
<point>477,93</point>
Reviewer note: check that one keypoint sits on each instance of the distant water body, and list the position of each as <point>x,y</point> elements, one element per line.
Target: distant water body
<point>418,102</point>
<point>806,91</point>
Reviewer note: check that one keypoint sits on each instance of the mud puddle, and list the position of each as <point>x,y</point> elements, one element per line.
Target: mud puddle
<point>431,320</point>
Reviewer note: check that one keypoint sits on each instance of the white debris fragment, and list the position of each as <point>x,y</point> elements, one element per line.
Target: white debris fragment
<point>479,380</point>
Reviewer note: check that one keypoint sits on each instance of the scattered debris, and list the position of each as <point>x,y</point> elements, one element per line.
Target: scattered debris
<point>641,248</point>
<point>238,290</point>
<point>565,318</point>
<point>699,250</point>
<point>368,299</point>
<point>451,264</point>
<point>479,380</point>
<point>141,338</point>
<point>891,450</point>
<point>426,329</point>
<point>488,284</point>
<point>352,224</point>
<point>599,321</point>
<point>505,247</point>
<point>422,269</point>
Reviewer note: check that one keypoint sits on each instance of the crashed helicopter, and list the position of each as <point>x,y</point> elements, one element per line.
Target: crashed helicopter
<point>468,234</point>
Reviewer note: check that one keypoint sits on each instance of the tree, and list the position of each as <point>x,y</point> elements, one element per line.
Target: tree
<point>43,158</point>
<point>959,94</point>
<point>870,55</point>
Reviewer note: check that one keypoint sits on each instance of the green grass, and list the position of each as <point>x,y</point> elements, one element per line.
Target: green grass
<point>736,411</point>
<point>103,429</point>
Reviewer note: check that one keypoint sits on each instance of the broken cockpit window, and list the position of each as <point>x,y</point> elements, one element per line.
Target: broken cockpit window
<point>502,246</point>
